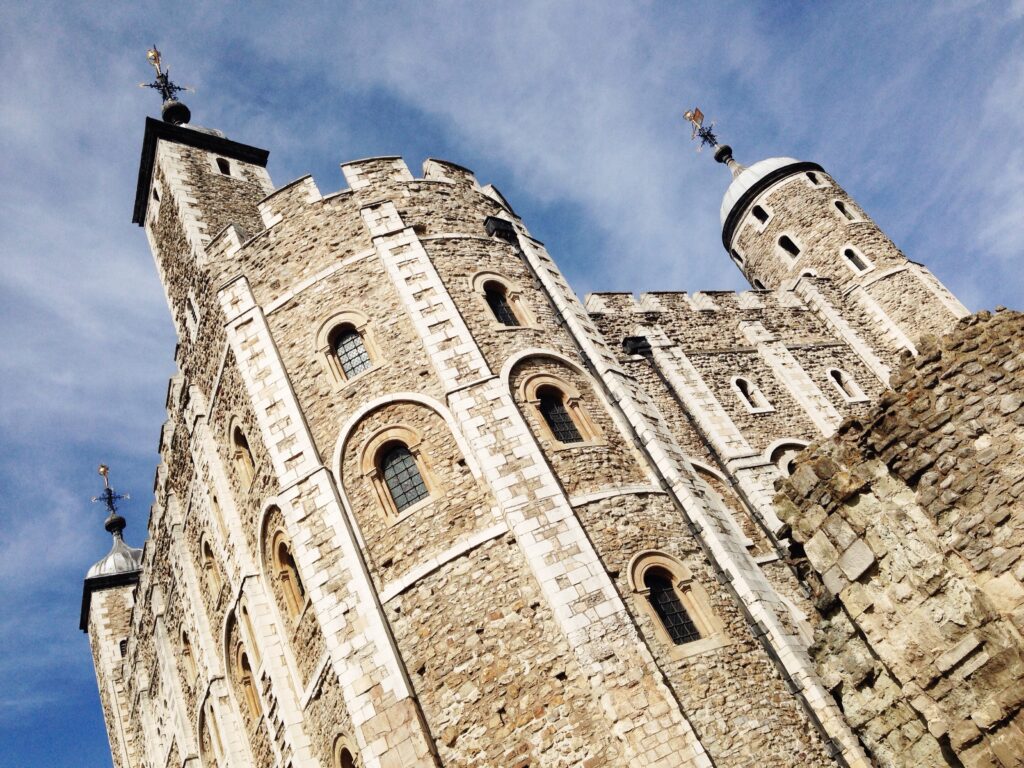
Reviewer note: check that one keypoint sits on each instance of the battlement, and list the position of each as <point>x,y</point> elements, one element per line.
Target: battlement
<point>699,301</point>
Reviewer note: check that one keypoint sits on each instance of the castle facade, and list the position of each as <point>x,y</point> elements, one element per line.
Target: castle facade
<point>418,505</point>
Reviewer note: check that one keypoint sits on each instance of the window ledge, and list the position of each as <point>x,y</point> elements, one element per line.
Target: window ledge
<point>700,647</point>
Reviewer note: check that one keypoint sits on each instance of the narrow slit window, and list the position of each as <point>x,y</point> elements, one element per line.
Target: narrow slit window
<point>858,262</point>
<point>247,684</point>
<point>737,257</point>
<point>497,300</point>
<point>786,243</point>
<point>402,477</point>
<point>760,214</point>
<point>846,384</point>
<point>351,351</point>
<point>669,607</point>
<point>813,178</point>
<point>244,464</point>
<point>288,575</point>
<point>552,408</point>
<point>224,166</point>
<point>758,285</point>
<point>844,211</point>
<point>751,395</point>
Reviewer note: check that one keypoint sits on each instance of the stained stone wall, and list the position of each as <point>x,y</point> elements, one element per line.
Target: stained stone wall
<point>913,529</point>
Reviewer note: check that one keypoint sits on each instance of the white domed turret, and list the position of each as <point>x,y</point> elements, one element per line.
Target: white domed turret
<point>120,559</point>
<point>751,177</point>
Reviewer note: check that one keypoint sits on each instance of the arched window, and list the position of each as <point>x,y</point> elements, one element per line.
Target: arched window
<point>737,257</point>
<point>246,683</point>
<point>786,244</point>
<point>401,476</point>
<point>813,178</point>
<point>858,263</point>
<point>348,346</point>
<point>846,385</point>
<point>344,757</point>
<point>784,456</point>
<point>245,467</point>
<point>760,214</point>
<point>751,395</point>
<point>843,210</point>
<point>758,285</point>
<point>670,609</point>
<point>188,660</point>
<point>497,299</point>
<point>210,571</point>
<point>676,603</point>
<point>224,166</point>
<point>552,408</point>
<point>287,574</point>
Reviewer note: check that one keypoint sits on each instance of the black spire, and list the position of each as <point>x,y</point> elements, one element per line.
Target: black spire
<point>173,110</point>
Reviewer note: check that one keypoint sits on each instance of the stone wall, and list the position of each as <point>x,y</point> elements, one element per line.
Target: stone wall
<point>913,528</point>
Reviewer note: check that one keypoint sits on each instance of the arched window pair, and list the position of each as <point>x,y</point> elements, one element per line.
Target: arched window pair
<point>502,299</point>
<point>392,460</point>
<point>558,404</point>
<point>346,346</point>
<point>677,604</point>
<point>847,386</point>
<point>751,395</point>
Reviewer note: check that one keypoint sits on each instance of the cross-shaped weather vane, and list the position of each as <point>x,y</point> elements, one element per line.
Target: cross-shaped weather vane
<point>109,496</point>
<point>173,110</point>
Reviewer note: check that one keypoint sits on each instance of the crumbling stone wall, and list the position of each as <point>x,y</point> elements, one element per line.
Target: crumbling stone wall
<point>913,527</point>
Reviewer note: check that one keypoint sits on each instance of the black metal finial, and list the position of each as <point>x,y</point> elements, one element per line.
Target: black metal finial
<point>173,110</point>
<point>705,133</point>
<point>114,523</point>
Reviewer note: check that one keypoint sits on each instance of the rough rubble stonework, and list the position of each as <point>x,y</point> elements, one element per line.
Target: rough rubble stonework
<point>913,528</point>
<point>290,611</point>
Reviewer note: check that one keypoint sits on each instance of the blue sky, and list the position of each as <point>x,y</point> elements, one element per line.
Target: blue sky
<point>572,109</point>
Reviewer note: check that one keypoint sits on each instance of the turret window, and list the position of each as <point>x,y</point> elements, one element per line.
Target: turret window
<point>497,299</point>
<point>552,408</point>
<point>737,257</point>
<point>751,396</point>
<point>789,246</point>
<point>224,166</point>
<point>351,351</point>
<point>814,179</point>
<point>758,285</point>
<point>847,386</point>
<point>402,477</point>
<point>857,261</point>
<point>844,211</point>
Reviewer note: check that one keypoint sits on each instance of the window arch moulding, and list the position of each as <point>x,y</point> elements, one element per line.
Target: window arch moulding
<point>653,568</point>
<point>847,386</point>
<point>537,389</point>
<point>484,285</point>
<point>378,447</point>
<point>347,348</point>
<point>751,395</point>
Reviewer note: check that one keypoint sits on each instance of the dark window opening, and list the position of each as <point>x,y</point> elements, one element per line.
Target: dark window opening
<point>351,352</point>
<point>841,207</point>
<point>345,759</point>
<point>760,214</point>
<point>123,647</point>
<point>402,477</point>
<point>224,166</point>
<point>786,243</point>
<point>758,285</point>
<point>813,178</point>
<point>156,195</point>
<point>670,609</point>
<point>497,300</point>
<point>854,258</point>
<point>557,417</point>
<point>737,257</point>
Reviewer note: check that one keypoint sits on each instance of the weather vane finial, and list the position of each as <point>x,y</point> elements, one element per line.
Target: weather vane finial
<point>114,522</point>
<point>173,110</point>
<point>708,138</point>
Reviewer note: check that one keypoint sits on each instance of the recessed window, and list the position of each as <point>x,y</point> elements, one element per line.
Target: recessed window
<point>760,214</point>
<point>847,386</point>
<point>670,609</point>
<point>224,166</point>
<point>737,257</point>
<point>344,757</point>
<point>245,467</point>
<point>123,647</point>
<point>786,244</point>
<point>209,566</point>
<point>758,285</point>
<point>857,261</point>
<point>286,573</point>
<point>751,396</point>
<point>497,299</point>
<point>402,477</point>
<point>844,211</point>
<point>814,179</point>
<point>244,678</point>
<point>188,659</point>
<point>552,408</point>
<point>156,195</point>
<point>784,456</point>
<point>351,351</point>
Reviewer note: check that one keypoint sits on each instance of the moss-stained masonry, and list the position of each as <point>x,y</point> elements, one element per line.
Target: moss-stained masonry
<point>505,618</point>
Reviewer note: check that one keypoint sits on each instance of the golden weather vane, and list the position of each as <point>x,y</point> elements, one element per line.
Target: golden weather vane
<point>700,131</point>
<point>173,110</point>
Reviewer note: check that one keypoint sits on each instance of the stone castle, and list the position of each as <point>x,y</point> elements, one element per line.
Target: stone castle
<point>418,505</point>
